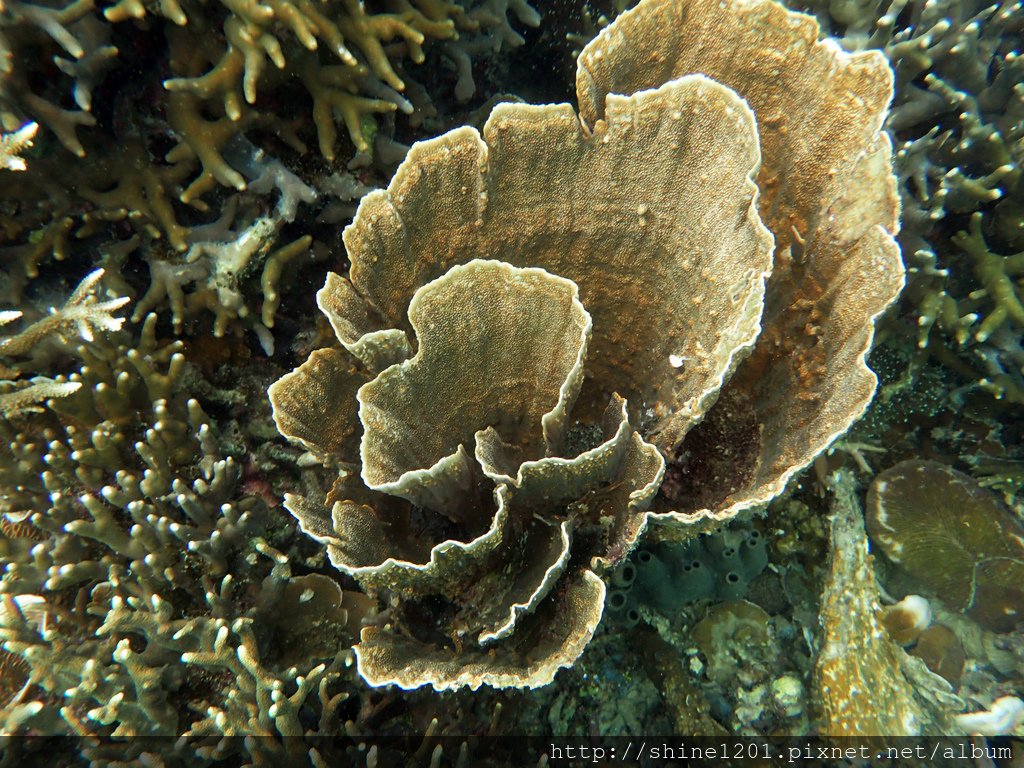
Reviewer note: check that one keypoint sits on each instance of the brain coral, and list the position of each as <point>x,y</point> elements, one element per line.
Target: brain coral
<point>571,326</point>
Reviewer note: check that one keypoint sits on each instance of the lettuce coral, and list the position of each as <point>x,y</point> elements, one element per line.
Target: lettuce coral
<point>542,323</point>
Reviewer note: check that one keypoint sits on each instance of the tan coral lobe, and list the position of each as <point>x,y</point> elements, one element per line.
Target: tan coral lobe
<point>562,328</point>
<point>480,328</point>
<point>827,193</point>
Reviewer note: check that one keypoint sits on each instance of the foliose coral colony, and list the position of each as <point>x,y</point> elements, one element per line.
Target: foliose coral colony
<point>564,362</point>
<point>633,281</point>
<point>958,118</point>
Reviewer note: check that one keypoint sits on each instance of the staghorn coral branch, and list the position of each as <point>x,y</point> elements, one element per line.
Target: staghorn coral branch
<point>82,311</point>
<point>994,272</point>
<point>13,144</point>
<point>27,399</point>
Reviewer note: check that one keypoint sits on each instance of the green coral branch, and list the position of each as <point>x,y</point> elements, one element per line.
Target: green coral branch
<point>994,272</point>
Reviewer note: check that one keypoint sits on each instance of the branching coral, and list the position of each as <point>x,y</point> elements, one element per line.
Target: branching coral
<point>951,59</point>
<point>593,20</point>
<point>600,275</point>
<point>997,332</point>
<point>220,258</point>
<point>137,575</point>
<point>251,32</point>
<point>485,28</point>
<point>71,28</point>
<point>286,35</point>
<point>135,571</point>
<point>13,144</point>
<point>82,312</point>
<point>164,148</point>
<point>22,399</point>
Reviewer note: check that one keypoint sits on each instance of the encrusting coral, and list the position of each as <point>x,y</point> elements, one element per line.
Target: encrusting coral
<point>959,541</point>
<point>543,321</point>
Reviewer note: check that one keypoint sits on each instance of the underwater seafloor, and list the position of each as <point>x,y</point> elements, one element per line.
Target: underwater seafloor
<point>174,183</point>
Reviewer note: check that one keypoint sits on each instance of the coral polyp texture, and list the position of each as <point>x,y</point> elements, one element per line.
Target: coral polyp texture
<point>957,121</point>
<point>569,327</point>
<point>955,539</point>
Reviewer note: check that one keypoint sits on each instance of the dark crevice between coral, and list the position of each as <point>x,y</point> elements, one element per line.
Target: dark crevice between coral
<point>715,459</point>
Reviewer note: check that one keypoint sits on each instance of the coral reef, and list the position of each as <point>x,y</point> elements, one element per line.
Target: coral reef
<point>137,575</point>
<point>755,405</point>
<point>957,119</point>
<point>569,368</point>
<point>568,323</point>
<point>858,664</point>
<point>525,536</point>
<point>955,539</point>
<point>175,106</point>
